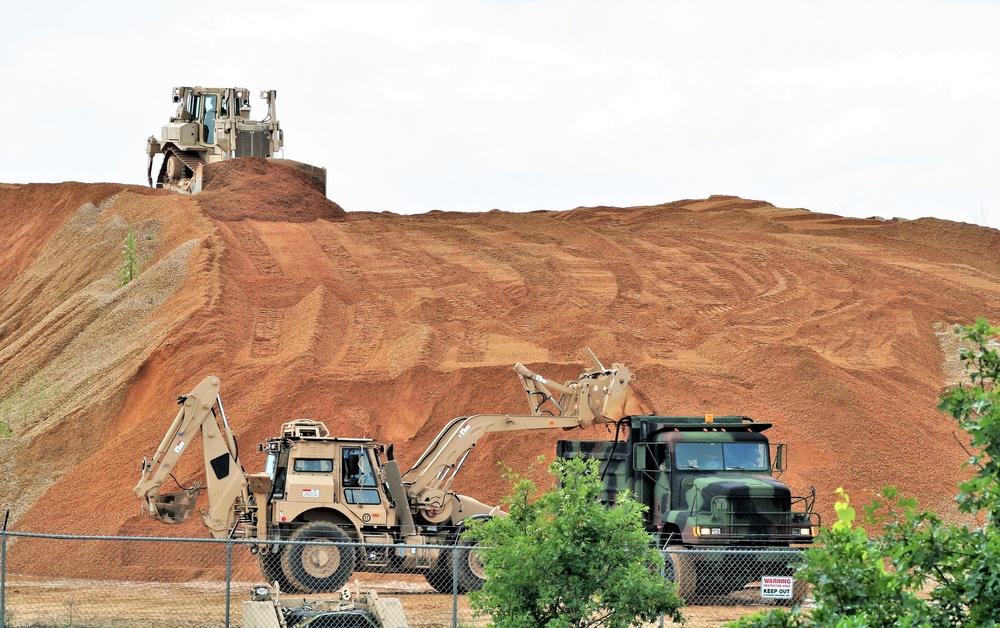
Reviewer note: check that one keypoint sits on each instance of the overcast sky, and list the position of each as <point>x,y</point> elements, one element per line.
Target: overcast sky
<point>851,108</point>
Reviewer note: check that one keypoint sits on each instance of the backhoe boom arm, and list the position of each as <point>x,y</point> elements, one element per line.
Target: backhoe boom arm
<point>600,395</point>
<point>227,483</point>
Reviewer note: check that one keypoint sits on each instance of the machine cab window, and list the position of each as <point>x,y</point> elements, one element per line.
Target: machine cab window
<point>277,468</point>
<point>360,484</point>
<point>738,456</point>
<point>208,116</point>
<point>313,465</point>
<point>700,456</point>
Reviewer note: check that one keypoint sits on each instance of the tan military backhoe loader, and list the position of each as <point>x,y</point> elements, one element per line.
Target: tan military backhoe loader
<point>345,498</point>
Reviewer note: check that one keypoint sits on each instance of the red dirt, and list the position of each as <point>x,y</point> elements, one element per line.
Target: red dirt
<point>387,326</point>
<point>266,191</point>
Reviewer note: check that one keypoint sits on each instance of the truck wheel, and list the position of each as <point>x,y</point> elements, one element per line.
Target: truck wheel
<point>323,565</point>
<point>471,571</point>
<point>270,567</point>
<point>440,577</point>
<point>681,568</point>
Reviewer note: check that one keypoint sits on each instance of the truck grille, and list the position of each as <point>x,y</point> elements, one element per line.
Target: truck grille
<point>765,519</point>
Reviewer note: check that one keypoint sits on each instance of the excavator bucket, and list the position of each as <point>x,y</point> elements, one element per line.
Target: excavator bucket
<point>174,507</point>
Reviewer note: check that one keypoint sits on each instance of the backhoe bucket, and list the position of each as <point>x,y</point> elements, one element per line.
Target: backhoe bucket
<point>174,507</point>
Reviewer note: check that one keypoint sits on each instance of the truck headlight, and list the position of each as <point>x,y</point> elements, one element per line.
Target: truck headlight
<point>705,531</point>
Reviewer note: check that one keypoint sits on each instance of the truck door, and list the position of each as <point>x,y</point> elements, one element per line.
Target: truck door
<point>311,480</point>
<point>651,461</point>
<point>361,490</point>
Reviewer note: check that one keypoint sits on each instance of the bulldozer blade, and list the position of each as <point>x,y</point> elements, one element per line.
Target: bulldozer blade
<point>174,507</point>
<point>317,173</point>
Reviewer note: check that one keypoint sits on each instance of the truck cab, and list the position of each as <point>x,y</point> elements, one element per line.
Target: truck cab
<point>309,470</point>
<point>708,484</point>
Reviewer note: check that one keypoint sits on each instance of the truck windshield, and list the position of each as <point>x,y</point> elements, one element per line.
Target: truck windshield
<point>719,456</point>
<point>746,456</point>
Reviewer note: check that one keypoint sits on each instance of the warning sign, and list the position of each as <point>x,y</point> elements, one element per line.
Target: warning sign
<point>776,587</point>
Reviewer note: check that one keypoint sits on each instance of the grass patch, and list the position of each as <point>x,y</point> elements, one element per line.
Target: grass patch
<point>26,404</point>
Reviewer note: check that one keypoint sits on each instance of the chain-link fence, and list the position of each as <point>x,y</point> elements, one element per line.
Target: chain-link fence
<point>62,580</point>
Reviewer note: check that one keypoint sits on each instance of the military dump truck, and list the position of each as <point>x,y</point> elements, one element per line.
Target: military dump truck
<point>213,124</point>
<point>707,483</point>
<point>345,499</point>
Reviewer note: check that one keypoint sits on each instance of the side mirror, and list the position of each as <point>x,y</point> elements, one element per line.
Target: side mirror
<point>780,458</point>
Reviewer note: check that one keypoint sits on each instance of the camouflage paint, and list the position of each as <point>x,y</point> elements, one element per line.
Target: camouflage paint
<point>738,507</point>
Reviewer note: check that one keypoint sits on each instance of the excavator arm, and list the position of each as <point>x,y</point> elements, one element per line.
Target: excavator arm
<point>599,395</point>
<point>227,482</point>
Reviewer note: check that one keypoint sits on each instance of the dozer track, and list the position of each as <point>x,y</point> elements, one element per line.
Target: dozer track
<point>181,171</point>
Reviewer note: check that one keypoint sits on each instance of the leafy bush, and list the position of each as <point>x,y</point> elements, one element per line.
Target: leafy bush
<point>563,559</point>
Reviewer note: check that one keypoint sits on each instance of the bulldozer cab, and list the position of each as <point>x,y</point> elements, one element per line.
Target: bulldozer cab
<point>204,107</point>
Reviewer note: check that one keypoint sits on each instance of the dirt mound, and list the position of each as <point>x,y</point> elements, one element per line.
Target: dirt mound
<point>259,189</point>
<point>388,326</point>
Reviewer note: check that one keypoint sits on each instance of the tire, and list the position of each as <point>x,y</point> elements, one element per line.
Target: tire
<point>440,577</point>
<point>270,567</point>
<point>680,568</point>
<point>716,585</point>
<point>471,570</point>
<point>319,567</point>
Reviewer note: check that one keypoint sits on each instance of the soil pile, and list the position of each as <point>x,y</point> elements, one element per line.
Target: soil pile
<point>388,326</point>
<point>259,189</point>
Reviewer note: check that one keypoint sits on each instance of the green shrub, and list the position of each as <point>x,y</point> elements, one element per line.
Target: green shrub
<point>563,559</point>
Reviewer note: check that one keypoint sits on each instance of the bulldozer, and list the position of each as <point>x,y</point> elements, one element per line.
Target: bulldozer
<point>213,124</point>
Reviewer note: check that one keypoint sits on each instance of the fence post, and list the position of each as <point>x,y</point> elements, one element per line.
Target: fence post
<point>3,570</point>
<point>229,576</point>
<point>663,574</point>
<point>454,585</point>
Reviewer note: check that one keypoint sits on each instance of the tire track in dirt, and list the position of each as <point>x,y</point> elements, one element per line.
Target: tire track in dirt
<point>379,263</point>
<point>266,332</point>
<point>251,243</point>
<point>265,338</point>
